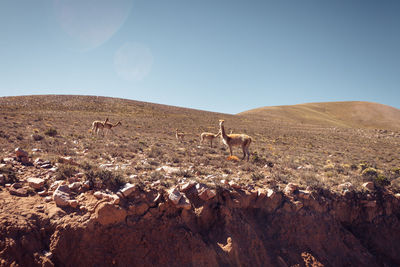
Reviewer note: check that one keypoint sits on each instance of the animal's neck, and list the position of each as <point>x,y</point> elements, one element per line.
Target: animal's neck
<point>222,130</point>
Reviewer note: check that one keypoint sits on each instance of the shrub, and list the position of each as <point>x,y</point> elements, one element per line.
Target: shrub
<point>396,171</point>
<point>51,132</point>
<point>7,175</point>
<point>184,173</point>
<point>381,180</point>
<point>37,137</point>
<point>108,179</point>
<point>369,172</point>
<point>363,166</point>
<point>256,176</point>
<point>65,172</point>
<point>256,158</point>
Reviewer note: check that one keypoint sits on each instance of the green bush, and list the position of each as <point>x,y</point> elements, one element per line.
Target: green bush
<point>65,172</point>
<point>108,179</point>
<point>369,172</point>
<point>8,175</point>
<point>381,180</point>
<point>256,176</point>
<point>51,132</point>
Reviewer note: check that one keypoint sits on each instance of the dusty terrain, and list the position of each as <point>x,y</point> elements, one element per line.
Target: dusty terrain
<point>137,196</point>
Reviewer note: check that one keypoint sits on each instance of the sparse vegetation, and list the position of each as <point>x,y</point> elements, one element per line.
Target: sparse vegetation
<point>65,172</point>
<point>282,151</point>
<point>51,132</point>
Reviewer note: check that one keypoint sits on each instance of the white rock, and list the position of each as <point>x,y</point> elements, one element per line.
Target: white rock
<point>234,185</point>
<point>184,203</point>
<point>99,195</point>
<point>75,186</point>
<point>207,194</point>
<point>127,189</point>
<point>61,196</point>
<point>36,183</point>
<point>55,185</point>
<point>168,169</point>
<point>346,186</point>
<point>187,186</point>
<point>369,185</point>
<point>290,188</point>
<point>174,196</point>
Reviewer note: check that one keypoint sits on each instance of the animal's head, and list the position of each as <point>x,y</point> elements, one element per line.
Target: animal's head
<point>221,122</point>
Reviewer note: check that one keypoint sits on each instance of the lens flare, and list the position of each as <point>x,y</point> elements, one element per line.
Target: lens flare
<point>133,61</point>
<point>91,22</point>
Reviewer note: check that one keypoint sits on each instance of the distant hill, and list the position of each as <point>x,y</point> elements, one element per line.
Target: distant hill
<point>354,114</point>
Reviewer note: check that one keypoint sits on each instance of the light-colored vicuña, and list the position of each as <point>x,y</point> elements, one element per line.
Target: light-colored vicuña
<point>109,126</point>
<point>208,136</point>
<point>242,140</point>
<point>179,136</point>
<point>97,125</point>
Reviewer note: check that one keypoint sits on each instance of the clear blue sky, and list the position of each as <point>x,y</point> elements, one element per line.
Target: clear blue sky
<point>218,55</point>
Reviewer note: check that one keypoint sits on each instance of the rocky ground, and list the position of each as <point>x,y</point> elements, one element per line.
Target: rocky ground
<point>309,196</point>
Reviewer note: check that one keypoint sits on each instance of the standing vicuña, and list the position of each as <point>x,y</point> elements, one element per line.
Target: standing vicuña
<point>179,136</point>
<point>208,136</point>
<point>97,125</point>
<point>109,126</point>
<point>242,140</point>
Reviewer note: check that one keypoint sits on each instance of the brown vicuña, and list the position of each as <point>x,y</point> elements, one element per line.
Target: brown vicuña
<point>179,136</point>
<point>109,126</point>
<point>208,136</point>
<point>97,125</point>
<point>241,140</point>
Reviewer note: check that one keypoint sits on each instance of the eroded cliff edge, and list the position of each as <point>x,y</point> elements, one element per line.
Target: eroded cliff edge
<point>234,227</point>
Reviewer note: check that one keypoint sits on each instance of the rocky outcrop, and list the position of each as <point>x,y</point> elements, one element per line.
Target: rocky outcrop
<point>196,225</point>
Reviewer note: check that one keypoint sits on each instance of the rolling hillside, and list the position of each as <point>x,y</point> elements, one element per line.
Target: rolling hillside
<point>353,114</point>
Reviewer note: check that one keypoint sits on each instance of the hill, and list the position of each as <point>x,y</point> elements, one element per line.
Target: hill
<point>352,114</point>
<point>310,195</point>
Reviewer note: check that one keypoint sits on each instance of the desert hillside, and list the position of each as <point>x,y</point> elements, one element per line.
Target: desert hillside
<point>321,186</point>
<point>352,114</point>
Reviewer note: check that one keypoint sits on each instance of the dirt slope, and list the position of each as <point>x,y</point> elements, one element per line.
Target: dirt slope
<point>352,114</point>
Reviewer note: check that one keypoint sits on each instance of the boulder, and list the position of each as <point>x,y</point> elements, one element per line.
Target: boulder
<point>174,195</point>
<point>74,203</point>
<point>67,160</point>
<point>107,214</point>
<point>346,186</point>
<point>61,196</point>
<point>207,194</point>
<point>99,195</point>
<point>185,187</point>
<point>369,185</point>
<point>184,203</point>
<point>36,183</point>
<point>234,185</point>
<point>127,189</point>
<point>168,169</point>
<point>75,186</point>
<point>17,190</point>
<point>304,194</point>
<point>141,208</point>
<point>20,153</point>
<point>290,188</point>
<point>55,185</point>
